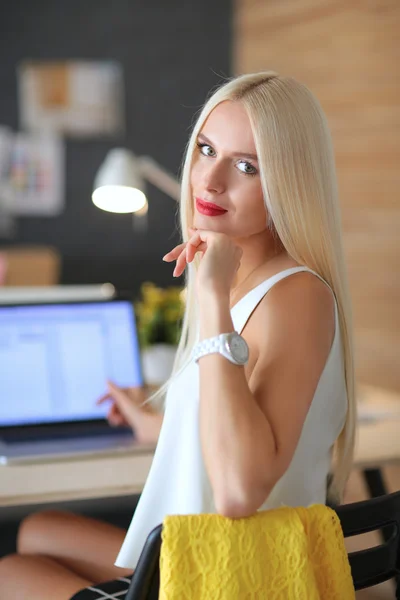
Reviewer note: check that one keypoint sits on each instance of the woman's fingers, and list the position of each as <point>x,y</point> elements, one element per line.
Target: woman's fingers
<point>174,253</point>
<point>125,404</point>
<point>118,394</point>
<point>185,253</point>
<point>112,416</point>
<point>103,398</point>
<point>180,264</point>
<point>115,418</point>
<point>194,245</point>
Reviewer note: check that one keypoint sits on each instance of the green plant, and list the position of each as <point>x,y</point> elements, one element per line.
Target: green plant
<point>159,315</point>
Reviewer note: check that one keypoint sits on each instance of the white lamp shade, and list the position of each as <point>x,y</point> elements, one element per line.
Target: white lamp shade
<point>119,186</point>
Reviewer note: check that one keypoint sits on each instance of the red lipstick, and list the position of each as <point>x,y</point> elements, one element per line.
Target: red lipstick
<point>209,209</point>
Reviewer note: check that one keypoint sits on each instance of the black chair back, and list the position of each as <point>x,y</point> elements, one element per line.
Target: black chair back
<point>368,567</point>
<point>374,565</point>
<point>146,579</point>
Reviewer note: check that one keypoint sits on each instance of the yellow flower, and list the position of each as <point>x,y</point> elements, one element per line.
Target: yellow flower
<point>159,314</point>
<point>172,294</point>
<point>172,314</point>
<point>152,295</point>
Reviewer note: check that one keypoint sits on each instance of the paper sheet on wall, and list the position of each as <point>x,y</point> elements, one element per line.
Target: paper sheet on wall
<point>7,220</point>
<point>74,98</point>
<point>32,175</point>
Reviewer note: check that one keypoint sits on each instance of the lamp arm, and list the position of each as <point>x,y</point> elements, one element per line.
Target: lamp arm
<point>159,177</point>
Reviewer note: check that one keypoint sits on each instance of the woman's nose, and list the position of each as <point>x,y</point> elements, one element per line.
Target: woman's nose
<point>214,178</point>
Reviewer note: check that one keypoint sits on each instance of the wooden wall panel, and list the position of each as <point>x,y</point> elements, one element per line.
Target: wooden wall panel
<point>348,53</point>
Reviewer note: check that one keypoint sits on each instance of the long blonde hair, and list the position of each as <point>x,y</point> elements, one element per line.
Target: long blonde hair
<point>298,177</point>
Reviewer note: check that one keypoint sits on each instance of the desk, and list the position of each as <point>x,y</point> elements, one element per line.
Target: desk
<point>118,474</point>
<point>378,439</point>
<point>97,476</point>
<point>378,444</point>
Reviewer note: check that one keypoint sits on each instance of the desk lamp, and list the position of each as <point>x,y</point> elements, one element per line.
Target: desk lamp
<point>119,185</point>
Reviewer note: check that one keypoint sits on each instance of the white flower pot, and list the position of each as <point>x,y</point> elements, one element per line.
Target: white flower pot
<point>157,363</point>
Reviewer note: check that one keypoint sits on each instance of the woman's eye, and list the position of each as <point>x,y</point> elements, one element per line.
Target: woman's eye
<point>206,150</point>
<point>246,168</point>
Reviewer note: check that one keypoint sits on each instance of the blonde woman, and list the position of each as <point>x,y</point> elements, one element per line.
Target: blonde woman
<point>262,394</point>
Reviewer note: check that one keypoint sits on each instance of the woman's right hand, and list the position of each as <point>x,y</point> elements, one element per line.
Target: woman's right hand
<point>127,409</point>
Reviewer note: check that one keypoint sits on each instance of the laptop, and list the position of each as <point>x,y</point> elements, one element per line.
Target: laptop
<point>55,360</point>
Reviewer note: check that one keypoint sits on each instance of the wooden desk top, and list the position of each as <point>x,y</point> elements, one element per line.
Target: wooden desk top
<point>378,444</point>
<point>95,476</point>
<point>378,435</point>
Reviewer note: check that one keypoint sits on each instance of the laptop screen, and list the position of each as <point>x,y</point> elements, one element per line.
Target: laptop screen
<point>55,360</point>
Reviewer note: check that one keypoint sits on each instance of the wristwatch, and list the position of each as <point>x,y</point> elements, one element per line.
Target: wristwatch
<point>231,345</point>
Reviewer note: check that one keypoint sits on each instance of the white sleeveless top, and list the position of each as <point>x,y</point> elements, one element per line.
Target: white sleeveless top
<point>178,483</point>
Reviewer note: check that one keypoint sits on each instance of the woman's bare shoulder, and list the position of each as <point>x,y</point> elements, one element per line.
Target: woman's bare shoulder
<point>298,306</point>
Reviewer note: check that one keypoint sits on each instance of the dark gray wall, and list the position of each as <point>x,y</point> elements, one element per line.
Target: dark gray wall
<point>172,52</point>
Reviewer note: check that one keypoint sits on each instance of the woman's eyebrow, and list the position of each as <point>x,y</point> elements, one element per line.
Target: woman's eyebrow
<point>246,154</point>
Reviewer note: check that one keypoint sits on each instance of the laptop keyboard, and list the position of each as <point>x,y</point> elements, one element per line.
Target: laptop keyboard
<point>61,432</point>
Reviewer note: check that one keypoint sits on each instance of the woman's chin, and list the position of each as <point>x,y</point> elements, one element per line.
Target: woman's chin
<point>209,223</point>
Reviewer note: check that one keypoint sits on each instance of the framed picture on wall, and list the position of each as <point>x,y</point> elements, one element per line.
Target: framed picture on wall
<point>32,174</point>
<point>74,98</point>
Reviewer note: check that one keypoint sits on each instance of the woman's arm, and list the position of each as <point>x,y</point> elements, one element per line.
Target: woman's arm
<point>250,422</point>
<point>251,419</point>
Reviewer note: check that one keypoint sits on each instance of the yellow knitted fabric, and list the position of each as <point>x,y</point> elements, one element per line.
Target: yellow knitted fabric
<point>281,554</point>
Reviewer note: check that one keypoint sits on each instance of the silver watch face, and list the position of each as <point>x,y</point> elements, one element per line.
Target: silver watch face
<point>238,348</point>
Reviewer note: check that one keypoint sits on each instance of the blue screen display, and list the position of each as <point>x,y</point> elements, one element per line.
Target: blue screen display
<point>55,360</point>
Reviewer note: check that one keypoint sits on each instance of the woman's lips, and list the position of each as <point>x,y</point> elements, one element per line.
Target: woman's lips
<point>209,209</point>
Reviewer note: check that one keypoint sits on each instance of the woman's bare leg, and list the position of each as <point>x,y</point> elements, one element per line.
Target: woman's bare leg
<point>87,547</point>
<point>37,578</point>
